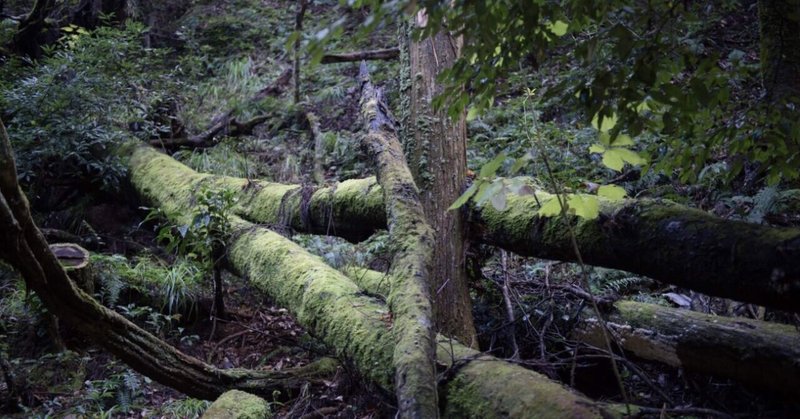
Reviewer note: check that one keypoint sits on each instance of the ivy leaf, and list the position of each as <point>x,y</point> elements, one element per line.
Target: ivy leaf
<point>465,196</point>
<point>612,192</point>
<point>584,206</point>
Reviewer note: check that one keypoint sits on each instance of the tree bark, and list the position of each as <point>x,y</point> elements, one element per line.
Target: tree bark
<point>354,325</point>
<point>436,147</point>
<point>25,248</point>
<point>410,272</point>
<point>763,355</point>
<point>779,22</point>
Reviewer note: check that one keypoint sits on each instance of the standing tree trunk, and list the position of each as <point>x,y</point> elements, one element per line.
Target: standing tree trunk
<point>436,147</point>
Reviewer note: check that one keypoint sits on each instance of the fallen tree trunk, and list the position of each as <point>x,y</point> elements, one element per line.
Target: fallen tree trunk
<point>662,240</point>
<point>350,57</point>
<point>354,325</point>
<point>410,272</point>
<point>25,248</point>
<point>763,355</point>
<point>659,239</point>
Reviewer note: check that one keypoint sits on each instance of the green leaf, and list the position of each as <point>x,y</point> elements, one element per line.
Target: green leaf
<point>558,28</point>
<point>630,156</point>
<point>612,192</point>
<point>472,113</point>
<point>613,160</point>
<point>597,148</point>
<point>607,123</point>
<point>584,206</point>
<point>622,140</point>
<point>465,196</point>
<point>489,169</point>
<point>551,208</point>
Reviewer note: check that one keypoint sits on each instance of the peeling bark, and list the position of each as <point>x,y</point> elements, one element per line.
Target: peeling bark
<point>413,239</point>
<point>760,354</point>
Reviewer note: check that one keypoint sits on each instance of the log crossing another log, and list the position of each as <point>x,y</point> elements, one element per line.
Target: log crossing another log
<point>354,325</point>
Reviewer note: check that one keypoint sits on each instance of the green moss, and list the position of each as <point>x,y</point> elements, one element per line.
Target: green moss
<point>237,404</point>
<point>331,306</point>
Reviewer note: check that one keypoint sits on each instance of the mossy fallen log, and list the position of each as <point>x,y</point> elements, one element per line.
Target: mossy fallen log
<point>662,240</point>
<point>659,239</point>
<point>354,325</point>
<point>763,355</point>
<point>409,297</point>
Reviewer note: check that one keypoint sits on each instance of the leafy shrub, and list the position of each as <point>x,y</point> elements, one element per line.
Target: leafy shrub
<point>69,112</point>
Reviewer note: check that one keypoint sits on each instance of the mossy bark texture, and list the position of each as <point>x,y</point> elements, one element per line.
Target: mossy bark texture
<point>661,240</point>
<point>25,248</point>
<point>413,240</point>
<point>354,325</point>
<point>760,354</point>
<point>436,148</point>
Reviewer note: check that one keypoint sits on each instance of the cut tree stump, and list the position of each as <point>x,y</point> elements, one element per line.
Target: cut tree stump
<point>75,260</point>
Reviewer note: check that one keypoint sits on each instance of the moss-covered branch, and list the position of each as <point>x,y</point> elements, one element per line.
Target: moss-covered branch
<point>761,354</point>
<point>356,326</point>
<point>664,241</point>
<point>412,238</point>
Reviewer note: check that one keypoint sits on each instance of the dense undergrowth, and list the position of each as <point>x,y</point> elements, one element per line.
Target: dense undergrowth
<point>67,112</point>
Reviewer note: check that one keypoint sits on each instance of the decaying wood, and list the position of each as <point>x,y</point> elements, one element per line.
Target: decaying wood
<point>358,56</point>
<point>24,247</point>
<point>410,295</point>
<point>760,354</point>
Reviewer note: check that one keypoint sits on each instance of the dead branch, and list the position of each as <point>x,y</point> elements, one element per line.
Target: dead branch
<point>349,57</point>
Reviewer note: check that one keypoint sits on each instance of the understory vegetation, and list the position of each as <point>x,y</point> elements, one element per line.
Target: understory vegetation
<point>169,71</point>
